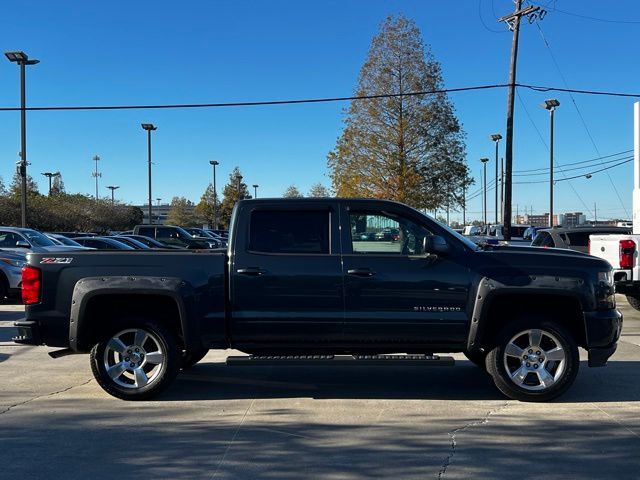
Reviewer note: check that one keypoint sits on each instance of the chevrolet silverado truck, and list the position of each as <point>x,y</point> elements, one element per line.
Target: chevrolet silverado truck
<point>298,286</point>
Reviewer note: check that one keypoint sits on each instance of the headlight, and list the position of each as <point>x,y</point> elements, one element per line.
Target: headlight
<point>606,277</point>
<point>13,263</point>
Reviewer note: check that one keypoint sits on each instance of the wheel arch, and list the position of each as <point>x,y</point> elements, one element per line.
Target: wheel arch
<point>99,303</point>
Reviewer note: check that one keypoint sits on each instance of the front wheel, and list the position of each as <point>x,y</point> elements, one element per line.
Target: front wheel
<point>136,363</point>
<point>534,361</point>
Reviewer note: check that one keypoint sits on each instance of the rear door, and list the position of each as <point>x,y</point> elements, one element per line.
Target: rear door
<point>395,294</point>
<point>286,275</point>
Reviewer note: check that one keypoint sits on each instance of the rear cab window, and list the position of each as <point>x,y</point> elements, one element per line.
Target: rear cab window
<point>290,232</point>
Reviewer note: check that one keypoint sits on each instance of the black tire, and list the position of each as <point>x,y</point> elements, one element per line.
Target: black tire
<point>4,287</point>
<point>477,358</point>
<point>634,301</point>
<point>519,378</point>
<point>190,358</point>
<point>159,343</point>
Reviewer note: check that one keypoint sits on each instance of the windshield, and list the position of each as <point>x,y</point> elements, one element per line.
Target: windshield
<point>37,238</point>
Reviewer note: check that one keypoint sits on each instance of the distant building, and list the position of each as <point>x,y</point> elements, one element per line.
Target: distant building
<point>573,219</point>
<point>538,220</point>
<point>159,213</point>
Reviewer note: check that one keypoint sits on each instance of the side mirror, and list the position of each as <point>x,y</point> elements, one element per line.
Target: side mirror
<point>22,244</point>
<point>435,244</point>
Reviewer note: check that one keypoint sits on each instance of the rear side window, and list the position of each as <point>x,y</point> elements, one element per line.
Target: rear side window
<point>277,231</point>
<point>578,239</point>
<point>146,231</point>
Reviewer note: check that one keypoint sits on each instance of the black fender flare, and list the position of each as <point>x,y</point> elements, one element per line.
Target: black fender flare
<point>492,289</point>
<point>90,287</point>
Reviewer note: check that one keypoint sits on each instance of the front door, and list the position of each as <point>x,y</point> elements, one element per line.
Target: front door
<point>395,293</point>
<point>287,285</point>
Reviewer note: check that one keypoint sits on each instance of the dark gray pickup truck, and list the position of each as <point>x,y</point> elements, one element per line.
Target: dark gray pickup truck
<point>326,281</point>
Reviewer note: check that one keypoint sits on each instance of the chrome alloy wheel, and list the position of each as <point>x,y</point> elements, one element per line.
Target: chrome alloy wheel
<point>534,359</point>
<point>134,358</point>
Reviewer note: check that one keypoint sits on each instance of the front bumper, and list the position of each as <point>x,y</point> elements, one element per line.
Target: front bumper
<point>603,328</point>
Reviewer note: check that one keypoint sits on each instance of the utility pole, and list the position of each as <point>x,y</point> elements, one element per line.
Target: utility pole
<point>513,21</point>
<point>502,187</point>
<point>464,205</point>
<point>484,202</point>
<point>96,174</point>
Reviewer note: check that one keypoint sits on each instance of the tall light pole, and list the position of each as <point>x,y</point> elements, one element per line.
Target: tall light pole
<point>255,190</point>
<point>484,203</point>
<point>496,137</point>
<point>113,188</point>
<point>149,127</point>
<point>214,163</point>
<point>158,200</point>
<point>49,175</point>
<point>22,59</point>
<point>551,105</point>
<point>239,180</point>
<point>96,174</point>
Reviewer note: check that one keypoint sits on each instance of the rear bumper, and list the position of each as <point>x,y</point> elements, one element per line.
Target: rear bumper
<point>603,328</point>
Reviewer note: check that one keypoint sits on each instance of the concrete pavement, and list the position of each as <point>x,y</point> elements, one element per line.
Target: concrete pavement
<point>336,423</point>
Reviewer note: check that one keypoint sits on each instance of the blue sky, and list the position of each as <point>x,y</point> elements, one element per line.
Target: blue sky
<point>147,52</point>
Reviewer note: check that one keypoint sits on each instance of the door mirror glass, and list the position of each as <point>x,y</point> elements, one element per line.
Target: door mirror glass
<point>435,244</point>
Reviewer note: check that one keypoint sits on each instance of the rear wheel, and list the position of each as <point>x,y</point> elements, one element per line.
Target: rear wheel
<point>136,363</point>
<point>534,361</point>
<point>634,301</point>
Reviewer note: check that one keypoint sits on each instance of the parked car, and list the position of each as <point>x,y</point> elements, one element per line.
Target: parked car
<point>11,264</point>
<point>294,288</point>
<point>28,240</point>
<point>62,240</point>
<point>76,234</point>
<point>103,243</point>
<point>132,242</point>
<point>149,242</point>
<point>202,234</point>
<point>172,235</point>
<point>530,233</point>
<point>573,238</point>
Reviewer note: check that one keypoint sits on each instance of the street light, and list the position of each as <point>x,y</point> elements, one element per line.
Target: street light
<point>551,105</point>
<point>22,60</point>
<point>49,175</point>
<point>239,180</point>
<point>255,190</point>
<point>496,137</point>
<point>484,209</point>
<point>96,174</point>
<point>149,127</point>
<point>112,188</point>
<point>158,200</point>
<point>215,195</point>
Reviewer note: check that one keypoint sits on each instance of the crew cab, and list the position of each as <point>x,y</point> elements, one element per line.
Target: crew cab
<point>299,284</point>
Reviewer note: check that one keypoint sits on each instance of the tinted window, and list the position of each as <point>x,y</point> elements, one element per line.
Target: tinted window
<point>9,239</point>
<point>38,238</point>
<point>274,231</point>
<point>147,231</point>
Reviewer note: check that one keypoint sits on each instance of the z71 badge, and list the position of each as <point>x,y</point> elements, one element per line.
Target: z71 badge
<point>56,260</point>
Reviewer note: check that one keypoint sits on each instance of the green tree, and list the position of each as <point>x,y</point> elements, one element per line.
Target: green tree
<point>3,188</point>
<point>318,190</point>
<point>408,148</point>
<point>182,213</point>
<point>205,208</point>
<point>230,196</point>
<point>292,192</point>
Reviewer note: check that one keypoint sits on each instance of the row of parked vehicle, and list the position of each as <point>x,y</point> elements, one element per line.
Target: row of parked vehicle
<point>15,243</point>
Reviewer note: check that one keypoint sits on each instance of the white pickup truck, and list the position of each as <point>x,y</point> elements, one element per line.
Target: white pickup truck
<point>621,251</point>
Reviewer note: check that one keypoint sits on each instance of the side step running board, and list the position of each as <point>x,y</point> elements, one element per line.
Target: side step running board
<point>350,360</point>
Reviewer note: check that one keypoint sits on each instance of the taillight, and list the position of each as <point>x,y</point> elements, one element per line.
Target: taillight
<point>31,285</point>
<point>627,252</point>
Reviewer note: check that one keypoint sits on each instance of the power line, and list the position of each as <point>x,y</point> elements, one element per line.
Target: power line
<point>575,163</point>
<point>584,123</point>
<point>581,175</point>
<point>572,168</point>
<point>537,88</point>
<point>595,19</point>
<point>486,27</point>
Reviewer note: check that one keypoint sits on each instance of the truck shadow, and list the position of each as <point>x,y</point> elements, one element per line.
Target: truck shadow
<point>620,381</point>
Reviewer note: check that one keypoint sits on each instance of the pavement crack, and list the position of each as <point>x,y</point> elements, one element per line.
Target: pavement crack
<point>454,442</point>
<point>51,394</point>
<point>235,434</point>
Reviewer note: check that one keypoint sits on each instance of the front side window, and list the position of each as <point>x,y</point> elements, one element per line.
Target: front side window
<point>378,233</point>
<point>10,239</point>
<point>280,231</point>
